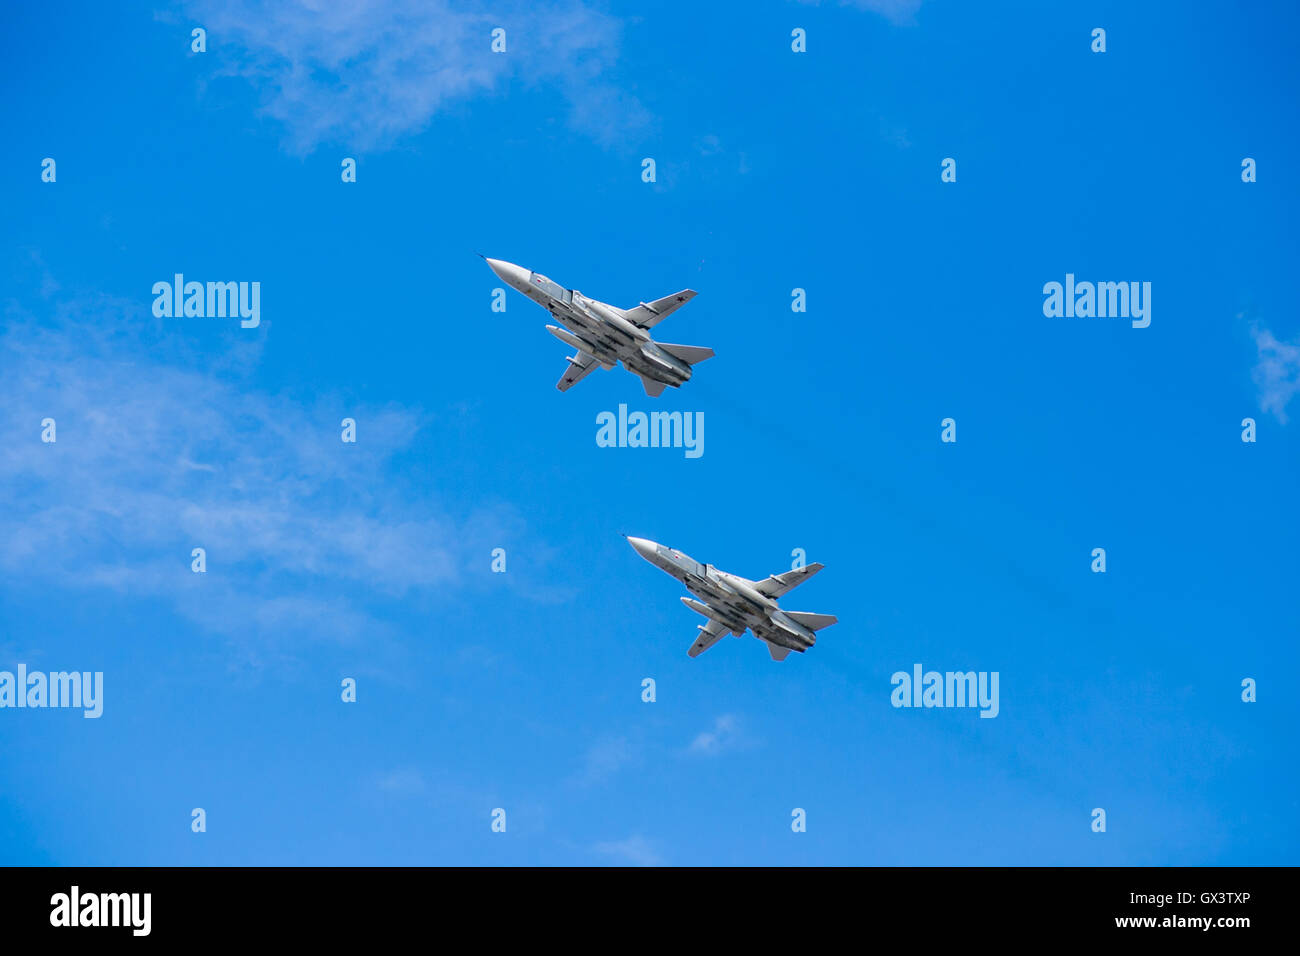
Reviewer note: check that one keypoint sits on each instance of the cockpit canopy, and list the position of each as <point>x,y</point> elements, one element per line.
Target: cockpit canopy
<point>553,289</point>
<point>683,561</point>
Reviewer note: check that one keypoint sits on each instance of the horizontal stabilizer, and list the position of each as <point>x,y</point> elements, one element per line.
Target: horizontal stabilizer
<point>653,388</point>
<point>814,622</point>
<point>690,354</point>
<point>778,653</point>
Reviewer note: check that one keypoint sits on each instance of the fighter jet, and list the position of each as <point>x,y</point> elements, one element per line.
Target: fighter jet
<point>605,335</point>
<point>733,603</point>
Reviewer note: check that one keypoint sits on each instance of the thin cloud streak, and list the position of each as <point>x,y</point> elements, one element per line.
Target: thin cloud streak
<point>636,850</point>
<point>369,72</point>
<point>156,454</point>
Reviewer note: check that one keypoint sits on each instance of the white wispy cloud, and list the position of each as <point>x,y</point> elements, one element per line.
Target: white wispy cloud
<point>367,72</point>
<point>724,735</point>
<point>898,11</point>
<point>160,450</point>
<point>402,782</point>
<point>1276,372</point>
<point>636,850</point>
<point>603,759</point>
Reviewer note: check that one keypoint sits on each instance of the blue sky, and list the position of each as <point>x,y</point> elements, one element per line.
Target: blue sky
<point>522,690</point>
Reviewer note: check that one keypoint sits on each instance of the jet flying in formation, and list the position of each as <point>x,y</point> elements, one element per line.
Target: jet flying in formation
<point>605,335</point>
<point>732,603</point>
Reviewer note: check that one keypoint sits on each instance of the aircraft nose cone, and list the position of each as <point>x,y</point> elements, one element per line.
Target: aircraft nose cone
<point>643,546</point>
<point>511,273</point>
